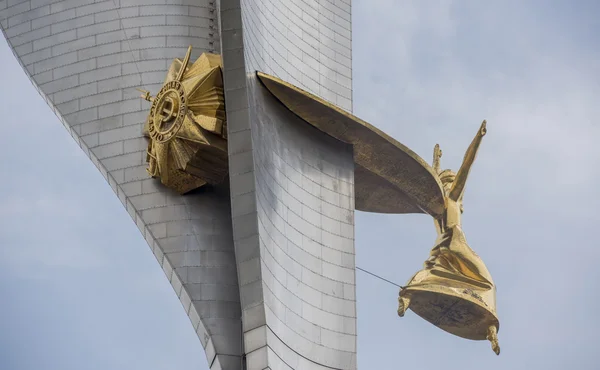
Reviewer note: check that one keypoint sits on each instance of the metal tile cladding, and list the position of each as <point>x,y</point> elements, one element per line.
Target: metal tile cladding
<point>87,58</point>
<point>275,245</point>
<point>292,186</point>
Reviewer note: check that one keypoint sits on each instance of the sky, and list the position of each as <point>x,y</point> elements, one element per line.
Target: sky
<point>80,289</point>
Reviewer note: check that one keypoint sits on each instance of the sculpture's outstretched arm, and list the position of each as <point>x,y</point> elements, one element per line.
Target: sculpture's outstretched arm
<point>437,154</point>
<point>460,181</point>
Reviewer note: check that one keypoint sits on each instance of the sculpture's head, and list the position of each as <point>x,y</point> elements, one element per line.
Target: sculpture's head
<point>447,178</point>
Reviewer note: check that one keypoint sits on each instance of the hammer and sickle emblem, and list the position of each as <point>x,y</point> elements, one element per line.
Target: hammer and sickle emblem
<point>169,106</point>
<point>168,110</point>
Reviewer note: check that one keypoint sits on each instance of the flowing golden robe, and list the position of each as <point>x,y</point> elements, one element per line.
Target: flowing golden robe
<point>454,290</point>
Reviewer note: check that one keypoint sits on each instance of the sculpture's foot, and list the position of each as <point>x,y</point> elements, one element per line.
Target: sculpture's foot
<point>403,303</point>
<point>492,336</point>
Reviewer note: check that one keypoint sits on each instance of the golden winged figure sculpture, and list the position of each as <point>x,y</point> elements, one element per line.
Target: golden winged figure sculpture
<point>187,125</point>
<point>454,290</point>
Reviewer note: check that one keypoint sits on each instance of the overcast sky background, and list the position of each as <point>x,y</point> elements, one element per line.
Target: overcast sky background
<point>80,289</point>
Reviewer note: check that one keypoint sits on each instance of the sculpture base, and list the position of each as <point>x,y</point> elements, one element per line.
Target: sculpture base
<point>458,311</point>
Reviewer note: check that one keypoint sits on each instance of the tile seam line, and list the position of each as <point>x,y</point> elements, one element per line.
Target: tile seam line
<point>308,205</point>
<point>270,235</point>
<point>307,302</point>
<point>291,349</point>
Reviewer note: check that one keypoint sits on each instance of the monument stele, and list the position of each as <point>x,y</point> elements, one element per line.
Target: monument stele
<point>244,171</point>
<point>454,291</point>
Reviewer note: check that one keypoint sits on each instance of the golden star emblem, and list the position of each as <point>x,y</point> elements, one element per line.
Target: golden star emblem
<point>187,125</point>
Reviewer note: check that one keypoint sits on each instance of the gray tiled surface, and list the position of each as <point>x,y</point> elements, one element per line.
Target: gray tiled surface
<point>305,42</point>
<point>292,186</point>
<point>304,187</point>
<point>86,57</point>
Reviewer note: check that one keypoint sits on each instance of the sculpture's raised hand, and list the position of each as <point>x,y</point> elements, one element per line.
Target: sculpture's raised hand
<point>458,186</point>
<point>483,129</point>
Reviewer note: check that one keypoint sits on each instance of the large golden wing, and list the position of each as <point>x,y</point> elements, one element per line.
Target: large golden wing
<point>389,177</point>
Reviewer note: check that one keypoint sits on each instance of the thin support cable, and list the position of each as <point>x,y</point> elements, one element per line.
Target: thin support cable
<point>122,28</point>
<point>379,277</point>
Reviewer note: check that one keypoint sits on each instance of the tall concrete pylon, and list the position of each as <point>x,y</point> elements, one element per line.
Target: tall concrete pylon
<point>264,265</point>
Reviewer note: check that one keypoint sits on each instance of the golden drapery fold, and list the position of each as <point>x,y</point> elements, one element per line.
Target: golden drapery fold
<point>454,290</point>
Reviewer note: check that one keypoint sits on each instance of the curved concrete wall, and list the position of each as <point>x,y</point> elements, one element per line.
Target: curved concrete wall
<point>292,185</point>
<point>86,57</point>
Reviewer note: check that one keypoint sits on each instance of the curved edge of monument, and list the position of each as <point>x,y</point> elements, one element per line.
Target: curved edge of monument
<point>389,177</point>
<point>90,86</point>
<point>292,194</point>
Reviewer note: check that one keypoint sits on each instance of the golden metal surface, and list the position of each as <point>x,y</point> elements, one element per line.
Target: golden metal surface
<point>388,177</point>
<point>454,291</point>
<point>187,125</point>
